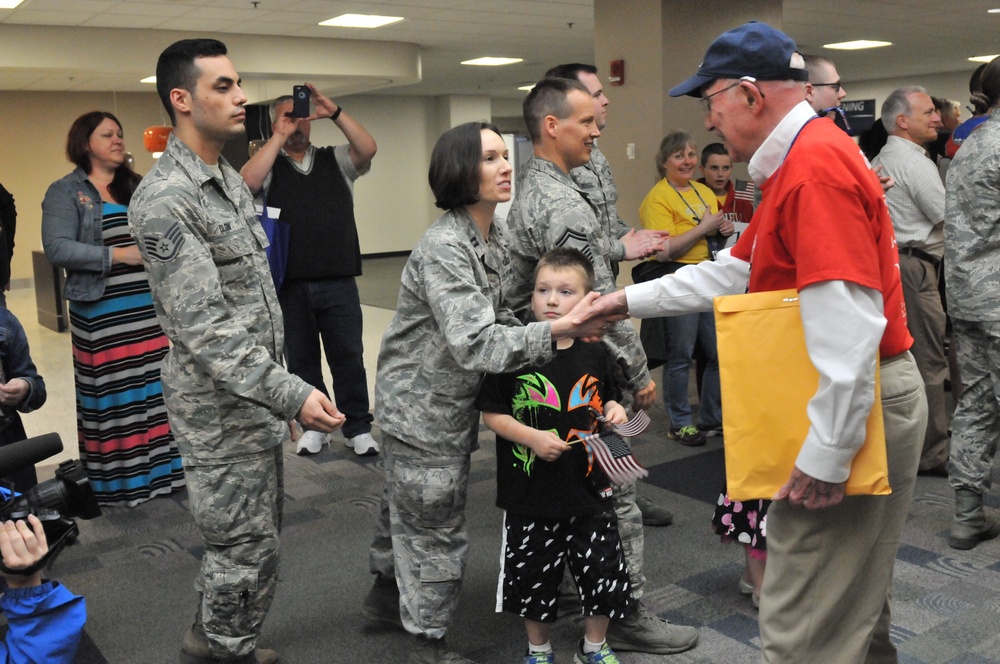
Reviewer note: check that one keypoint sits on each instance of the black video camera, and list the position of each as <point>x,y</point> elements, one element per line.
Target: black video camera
<point>54,501</point>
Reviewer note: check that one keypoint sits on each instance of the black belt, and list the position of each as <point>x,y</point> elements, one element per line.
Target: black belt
<point>922,255</point>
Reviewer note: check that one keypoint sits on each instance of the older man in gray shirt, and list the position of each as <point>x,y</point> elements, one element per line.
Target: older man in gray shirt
<point>916,205</point>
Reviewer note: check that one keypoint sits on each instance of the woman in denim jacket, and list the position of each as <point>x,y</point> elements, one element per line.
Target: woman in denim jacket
<point>118,346</point>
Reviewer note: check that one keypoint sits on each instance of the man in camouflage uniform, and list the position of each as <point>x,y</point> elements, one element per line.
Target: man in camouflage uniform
<point>194,222</point>
<point>972,277</point>
<point>598,185</point>
<point>549,211</point>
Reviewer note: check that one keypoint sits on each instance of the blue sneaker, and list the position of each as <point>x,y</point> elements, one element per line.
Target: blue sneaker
<point>603,656</point>
<point>539,658</point>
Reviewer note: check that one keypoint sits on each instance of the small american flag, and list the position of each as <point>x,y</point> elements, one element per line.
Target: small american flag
<point>615,457</point>
<point>744,190</point>
<point>633,427</point>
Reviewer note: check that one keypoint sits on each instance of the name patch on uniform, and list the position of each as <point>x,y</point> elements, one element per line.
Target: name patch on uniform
<point>165,247</point>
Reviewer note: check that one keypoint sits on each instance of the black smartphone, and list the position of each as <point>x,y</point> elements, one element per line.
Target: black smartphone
<point>300,101</point>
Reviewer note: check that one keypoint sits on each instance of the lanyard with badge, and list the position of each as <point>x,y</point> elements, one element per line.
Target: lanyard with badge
<point>713,250</point>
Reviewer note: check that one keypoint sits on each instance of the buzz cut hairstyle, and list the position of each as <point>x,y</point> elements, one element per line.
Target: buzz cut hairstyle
<point>548,97</point>
<point>567,258</point>
<point>813,63</point>
<point>711,149</point>
<point>272,110</point>
<point>570,70</point>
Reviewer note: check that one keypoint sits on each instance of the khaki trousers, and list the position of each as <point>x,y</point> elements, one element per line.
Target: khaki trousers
<point>926,321</point>
<point>826,593</point>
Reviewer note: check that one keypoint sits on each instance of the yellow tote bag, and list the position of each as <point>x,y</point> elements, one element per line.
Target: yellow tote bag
<point>767,381</point>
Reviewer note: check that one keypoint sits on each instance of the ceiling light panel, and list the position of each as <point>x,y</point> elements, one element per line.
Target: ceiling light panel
<point>361,21</point>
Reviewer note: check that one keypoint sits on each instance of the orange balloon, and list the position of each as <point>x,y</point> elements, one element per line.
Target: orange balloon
<point>155,138</point>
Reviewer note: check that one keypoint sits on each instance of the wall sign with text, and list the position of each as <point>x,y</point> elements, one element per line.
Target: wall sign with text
<point>860,114</point>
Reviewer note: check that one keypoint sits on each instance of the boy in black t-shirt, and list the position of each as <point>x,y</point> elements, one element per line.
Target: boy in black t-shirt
<point>558,502</point>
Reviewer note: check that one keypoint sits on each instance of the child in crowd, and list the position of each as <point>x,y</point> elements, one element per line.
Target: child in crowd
<point>557,502</point>
<point>735,197</point>
<point>736,521</point>
<point>21,389</point>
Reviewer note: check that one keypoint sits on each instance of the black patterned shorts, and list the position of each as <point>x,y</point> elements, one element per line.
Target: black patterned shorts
<point>536,551</point>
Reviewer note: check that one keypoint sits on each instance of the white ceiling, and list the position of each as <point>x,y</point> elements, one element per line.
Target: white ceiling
<point>929,36</point>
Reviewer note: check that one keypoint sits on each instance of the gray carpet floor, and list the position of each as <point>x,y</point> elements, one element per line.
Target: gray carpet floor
<point>135,566</point>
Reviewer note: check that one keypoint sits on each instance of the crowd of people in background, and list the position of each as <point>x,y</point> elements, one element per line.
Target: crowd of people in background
<point>194,362</point>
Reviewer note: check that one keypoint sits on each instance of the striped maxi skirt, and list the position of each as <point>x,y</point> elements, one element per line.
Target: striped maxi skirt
<point>118,348</point>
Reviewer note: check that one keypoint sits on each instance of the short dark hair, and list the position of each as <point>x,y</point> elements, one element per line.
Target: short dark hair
<point>565,258</point>
<point>710,149</point>
<point>176,68</point>
<point>548,97</point>
<point>456,163</point>
<point>813,63</point>
<point>671,143</point>
<point>125,180</point>
<point>570,70</point>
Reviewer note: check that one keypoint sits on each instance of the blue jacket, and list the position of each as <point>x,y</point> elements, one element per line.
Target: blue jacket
<point>15,362</point>
<point>72,235</point>
<point>44,624</point>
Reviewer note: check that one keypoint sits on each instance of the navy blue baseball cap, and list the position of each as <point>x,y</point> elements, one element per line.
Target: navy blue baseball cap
<point>753,49</point>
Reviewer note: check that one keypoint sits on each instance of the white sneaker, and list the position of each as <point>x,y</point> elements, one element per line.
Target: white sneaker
<point>311,442</point>
<point>363,444</point>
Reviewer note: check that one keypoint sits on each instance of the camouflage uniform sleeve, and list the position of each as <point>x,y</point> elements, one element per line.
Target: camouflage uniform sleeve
<point>621,228</point>
<point>623,342</point>
<point>208,293</point>
<point>596,180</point>
<point>618,231</point>
<point>569,226</point>
<point>504,316</point>
<point>472,330</point>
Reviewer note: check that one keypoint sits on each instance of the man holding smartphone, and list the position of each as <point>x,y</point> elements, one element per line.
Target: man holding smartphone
<point>313,190</point>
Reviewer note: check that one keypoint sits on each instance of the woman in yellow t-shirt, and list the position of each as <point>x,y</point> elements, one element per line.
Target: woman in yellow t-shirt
<point>690,211</point>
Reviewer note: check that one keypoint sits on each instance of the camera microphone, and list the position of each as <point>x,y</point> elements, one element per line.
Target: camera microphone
<point>28,452</point>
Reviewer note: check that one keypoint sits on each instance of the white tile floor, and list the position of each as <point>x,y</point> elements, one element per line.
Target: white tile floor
<point>52,354</point>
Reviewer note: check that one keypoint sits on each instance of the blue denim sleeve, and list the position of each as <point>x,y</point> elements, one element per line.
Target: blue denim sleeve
<point>17,363</point>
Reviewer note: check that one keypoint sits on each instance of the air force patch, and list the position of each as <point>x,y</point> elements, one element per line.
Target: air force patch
<point>164,247</point>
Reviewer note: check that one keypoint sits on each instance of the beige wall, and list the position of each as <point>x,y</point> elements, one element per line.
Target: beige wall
<point>630,30</point>
<point>662,42</point>
<point>393,202</point>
